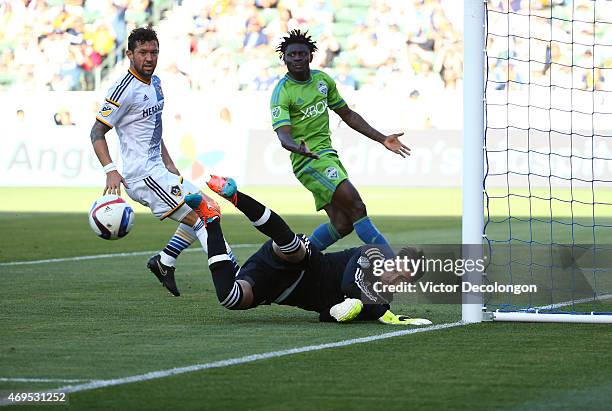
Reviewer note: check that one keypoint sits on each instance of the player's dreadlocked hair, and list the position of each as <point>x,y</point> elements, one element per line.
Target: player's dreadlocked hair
<point>296,37</point>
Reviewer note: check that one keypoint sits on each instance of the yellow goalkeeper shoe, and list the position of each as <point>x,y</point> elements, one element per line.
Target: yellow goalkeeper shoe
<point>391,319</point>
<point>347,310</point>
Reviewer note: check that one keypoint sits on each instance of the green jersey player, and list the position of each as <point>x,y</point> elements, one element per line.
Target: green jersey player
<point>299,108</point>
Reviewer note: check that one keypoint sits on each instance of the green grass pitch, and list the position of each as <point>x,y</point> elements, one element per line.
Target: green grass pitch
<point>109,318</point>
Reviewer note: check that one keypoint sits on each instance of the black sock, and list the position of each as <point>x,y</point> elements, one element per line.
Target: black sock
<point>250,207</point>
<point>222,267</point>
<point>268,223</point>
<point>215,241</point>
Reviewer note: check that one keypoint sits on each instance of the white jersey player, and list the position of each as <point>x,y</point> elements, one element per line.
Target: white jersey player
<point>134,106</point>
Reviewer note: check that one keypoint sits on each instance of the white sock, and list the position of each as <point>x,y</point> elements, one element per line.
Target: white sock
<point>202,234</point>
<point>167,259</point>
<point>183,237</point>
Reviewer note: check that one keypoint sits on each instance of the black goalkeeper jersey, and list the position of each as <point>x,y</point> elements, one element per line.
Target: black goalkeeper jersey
<point>317,283</point>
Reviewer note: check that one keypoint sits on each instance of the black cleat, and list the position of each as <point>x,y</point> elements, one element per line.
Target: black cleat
<point>164,273</point>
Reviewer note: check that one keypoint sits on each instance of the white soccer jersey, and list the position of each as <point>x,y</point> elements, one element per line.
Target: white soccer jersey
<point>134,108</point>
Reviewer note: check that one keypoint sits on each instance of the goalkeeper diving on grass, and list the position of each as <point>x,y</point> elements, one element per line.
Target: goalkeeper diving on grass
<point>289,270</point>
<point>299,109</point>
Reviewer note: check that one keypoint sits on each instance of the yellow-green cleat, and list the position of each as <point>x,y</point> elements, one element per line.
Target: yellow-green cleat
<point>391,319</point>
<point>347,310</point>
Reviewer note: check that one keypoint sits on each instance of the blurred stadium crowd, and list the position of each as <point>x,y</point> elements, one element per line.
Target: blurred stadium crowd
<point>367,43</point>
<point>574,52</point>
<point>409,47</point>
<point>56,45</point>
<point>229,44</point>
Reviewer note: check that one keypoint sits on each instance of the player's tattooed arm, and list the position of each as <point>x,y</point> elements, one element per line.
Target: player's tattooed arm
<point>113,178</point>
<point>98,131</point>
<point>288,143</point>
<point>357,123</point>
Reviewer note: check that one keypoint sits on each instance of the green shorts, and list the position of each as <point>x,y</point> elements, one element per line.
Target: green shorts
<point>321,177</point>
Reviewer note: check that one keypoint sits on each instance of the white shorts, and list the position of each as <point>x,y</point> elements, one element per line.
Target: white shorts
<point>164,193</point>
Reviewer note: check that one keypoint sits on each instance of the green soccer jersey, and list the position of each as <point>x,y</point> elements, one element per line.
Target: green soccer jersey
<point>303,106</point>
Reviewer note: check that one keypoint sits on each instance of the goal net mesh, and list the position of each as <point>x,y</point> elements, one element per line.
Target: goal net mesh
<point>548,153</point>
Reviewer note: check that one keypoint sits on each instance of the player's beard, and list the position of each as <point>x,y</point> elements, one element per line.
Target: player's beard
<point>146,71</point>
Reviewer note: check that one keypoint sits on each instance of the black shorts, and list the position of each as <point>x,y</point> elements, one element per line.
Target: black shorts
<point>314,284</point>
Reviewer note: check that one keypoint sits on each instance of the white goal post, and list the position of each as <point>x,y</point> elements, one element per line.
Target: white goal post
<point>472,224</point>
<point>539,174</point>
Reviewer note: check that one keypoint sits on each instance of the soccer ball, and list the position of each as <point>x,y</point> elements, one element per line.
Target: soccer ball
<point>111,217</point>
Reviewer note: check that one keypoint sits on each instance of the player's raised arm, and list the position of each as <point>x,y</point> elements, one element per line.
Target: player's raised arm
<point>288,143</point>
<point>357,123</point>
<point>98,140</point>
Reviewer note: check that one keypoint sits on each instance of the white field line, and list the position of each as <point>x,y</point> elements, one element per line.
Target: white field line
<point>102,256</point>
<point>131,254</point>
<point>92,385</point>
<point>2,379</point>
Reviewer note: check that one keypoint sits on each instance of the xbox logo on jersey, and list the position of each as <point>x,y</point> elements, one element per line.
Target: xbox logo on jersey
<point>314,110</point>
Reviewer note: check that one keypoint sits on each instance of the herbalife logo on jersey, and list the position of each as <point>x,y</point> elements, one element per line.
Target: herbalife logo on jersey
<point>152,110</point>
